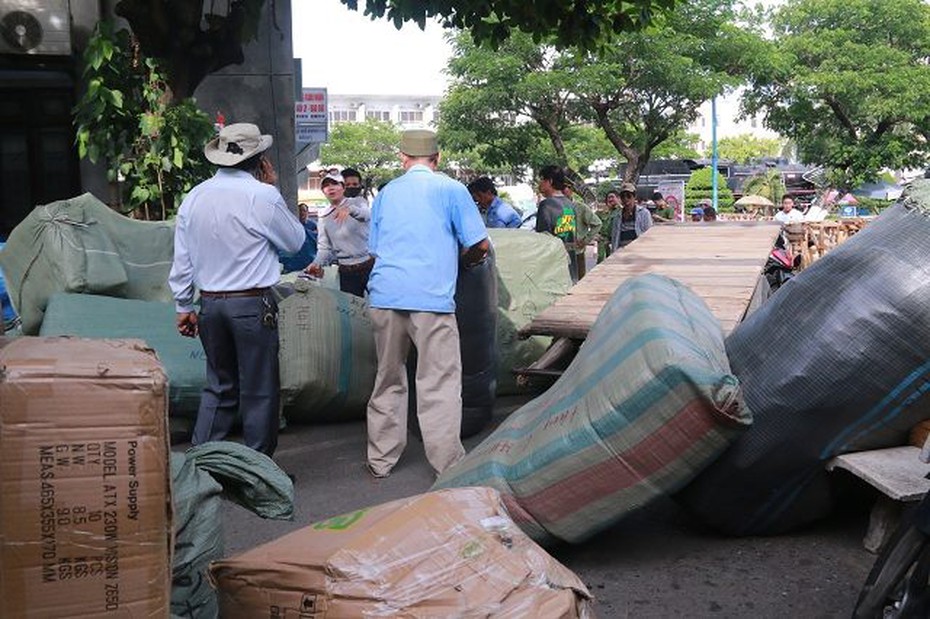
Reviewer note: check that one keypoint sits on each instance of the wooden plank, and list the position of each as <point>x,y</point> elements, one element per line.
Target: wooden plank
<point>720,262</point>
<point>897,472</point>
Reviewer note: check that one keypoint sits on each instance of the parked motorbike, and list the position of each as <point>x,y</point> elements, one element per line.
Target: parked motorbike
<point>779,268</point>
<point>899,584</point>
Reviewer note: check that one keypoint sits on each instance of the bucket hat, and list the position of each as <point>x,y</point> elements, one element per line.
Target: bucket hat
<point>235,144</point>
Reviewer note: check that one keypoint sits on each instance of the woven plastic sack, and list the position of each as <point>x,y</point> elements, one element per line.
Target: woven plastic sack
<point>532,273</point>
<point>93,316</point>
<point>200,478</point>
<point>327,354</point>
<point>836,361</point>
<point>647,403</point>
<point>81,245</point>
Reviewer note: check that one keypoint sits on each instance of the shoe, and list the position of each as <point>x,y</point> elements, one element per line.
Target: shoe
<point>375,473</point>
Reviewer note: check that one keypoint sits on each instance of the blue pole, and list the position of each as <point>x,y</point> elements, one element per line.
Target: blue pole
<point>713,156</point>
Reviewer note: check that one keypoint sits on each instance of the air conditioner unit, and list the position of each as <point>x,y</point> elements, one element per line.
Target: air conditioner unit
<point>35,27</point>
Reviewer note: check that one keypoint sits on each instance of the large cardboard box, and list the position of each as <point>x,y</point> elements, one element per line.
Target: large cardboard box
<point>85,512</point>
<point>450,553</point>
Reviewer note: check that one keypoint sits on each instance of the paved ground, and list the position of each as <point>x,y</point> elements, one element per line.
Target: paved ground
<point>654,564</point>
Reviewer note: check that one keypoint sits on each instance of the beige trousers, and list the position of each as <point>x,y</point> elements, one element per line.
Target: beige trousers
<point>439,388</point>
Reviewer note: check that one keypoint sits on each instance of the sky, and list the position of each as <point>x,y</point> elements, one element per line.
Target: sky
<point>329,36</point>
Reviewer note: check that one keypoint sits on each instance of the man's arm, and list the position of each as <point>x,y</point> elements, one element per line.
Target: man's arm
<point>476,254</point>
<point>181,281</point>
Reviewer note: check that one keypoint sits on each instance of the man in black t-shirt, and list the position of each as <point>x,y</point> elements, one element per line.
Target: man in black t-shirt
<point>555,213</point>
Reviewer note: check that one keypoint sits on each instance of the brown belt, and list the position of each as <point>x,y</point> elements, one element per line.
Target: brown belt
<point>355,268</point>
<point>251,292</point>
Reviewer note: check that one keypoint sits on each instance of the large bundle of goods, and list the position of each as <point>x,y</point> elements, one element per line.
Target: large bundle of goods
<point>532,273</point>
<point>82,245</point>
<point>327,354</point>
<point>835,362</point>
<point>85,512</point>
<point>93,316</point>
<point>476,315</point>
<point>648,402</point>
<point>200,478</point>
<point>453,553</point>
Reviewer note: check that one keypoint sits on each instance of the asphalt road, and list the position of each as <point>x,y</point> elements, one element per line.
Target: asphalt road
<point>657,563</point>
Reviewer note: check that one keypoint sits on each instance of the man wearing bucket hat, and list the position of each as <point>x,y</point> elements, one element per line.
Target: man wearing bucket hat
<point>633,220</point>
<point>422,224</point>
<point>227,236</point>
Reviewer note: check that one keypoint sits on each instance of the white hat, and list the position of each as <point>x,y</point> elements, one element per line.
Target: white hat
<point>333,176</point>
<point>235,144</point>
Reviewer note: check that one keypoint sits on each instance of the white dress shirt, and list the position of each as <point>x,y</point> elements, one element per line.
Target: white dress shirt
<point>227,234</point>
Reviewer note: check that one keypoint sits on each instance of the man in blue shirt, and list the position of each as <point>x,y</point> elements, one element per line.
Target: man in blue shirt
<point>422,224</point>
<point>497,213</point>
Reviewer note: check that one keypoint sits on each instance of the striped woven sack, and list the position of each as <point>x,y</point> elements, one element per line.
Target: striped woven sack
<point>647,403</point>
<point>327,354</point>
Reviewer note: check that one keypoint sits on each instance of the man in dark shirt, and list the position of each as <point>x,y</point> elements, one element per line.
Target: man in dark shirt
<point>555,213</point>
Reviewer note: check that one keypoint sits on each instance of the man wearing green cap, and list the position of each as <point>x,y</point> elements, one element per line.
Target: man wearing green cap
<point>422,224</point>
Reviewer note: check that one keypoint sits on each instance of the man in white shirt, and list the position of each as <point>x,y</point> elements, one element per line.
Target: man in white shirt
<point>227,236</point>
<point>788,214</point>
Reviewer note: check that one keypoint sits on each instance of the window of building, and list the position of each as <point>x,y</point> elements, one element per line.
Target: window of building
<point>411,116</point>
<point>384,115</point>
<point>342,116</point>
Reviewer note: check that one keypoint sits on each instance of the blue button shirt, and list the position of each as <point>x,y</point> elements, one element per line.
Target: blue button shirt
<point>502,215</point>
<point>419,222</point>
<point>7,314</point>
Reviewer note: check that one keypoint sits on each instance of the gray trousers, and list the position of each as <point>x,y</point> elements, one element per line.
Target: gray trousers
<point>242,372</point>
<point>439,388</point>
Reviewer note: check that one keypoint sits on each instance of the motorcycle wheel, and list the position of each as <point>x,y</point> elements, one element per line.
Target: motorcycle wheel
<point>897,586</point>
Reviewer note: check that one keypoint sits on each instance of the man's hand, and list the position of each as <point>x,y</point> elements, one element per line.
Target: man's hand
<point>266,173</point>
<point>315,270</point>
<point>476,254</point>
<point>187,324</point>
<point>340,214</point>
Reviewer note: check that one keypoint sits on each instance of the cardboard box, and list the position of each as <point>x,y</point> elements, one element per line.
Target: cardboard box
<point>85,512</point>
<point>450,553</point>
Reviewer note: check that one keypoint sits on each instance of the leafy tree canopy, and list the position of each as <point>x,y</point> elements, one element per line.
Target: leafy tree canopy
<point>746,147</point>
<point>848,81</point>
<point>370,147</point>
<point>641,90</point>
<point>566,23</point>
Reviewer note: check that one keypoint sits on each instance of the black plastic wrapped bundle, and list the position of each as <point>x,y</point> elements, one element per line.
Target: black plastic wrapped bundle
<point>837,361</point>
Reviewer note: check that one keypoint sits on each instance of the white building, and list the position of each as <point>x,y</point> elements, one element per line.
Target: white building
<point>728,123</point>
<point>407,111</point>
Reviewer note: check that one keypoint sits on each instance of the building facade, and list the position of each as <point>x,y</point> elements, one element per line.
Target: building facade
<point>41,45</point>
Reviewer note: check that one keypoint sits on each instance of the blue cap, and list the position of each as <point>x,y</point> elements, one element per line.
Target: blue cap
<point>697,211</point>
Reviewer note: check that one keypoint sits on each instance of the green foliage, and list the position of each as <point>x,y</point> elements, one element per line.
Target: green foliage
<point>152,149</point>
<point>640,89</point>
<point>746,147</point>
<point>371,147</point>
<point>570,22</point>
<point>847,80</point>
<point>768,185</point>
<point>699,188</point>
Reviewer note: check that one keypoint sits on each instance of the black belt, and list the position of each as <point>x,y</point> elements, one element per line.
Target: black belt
<point>251,292</point>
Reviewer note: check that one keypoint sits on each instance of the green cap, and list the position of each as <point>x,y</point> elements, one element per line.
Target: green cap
<point>419,143</point>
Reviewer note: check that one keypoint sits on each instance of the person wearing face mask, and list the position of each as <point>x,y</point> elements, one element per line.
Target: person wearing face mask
<point>343,237</point>
<point>353,182</point>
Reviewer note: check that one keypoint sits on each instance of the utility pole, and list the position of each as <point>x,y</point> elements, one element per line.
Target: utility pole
<point>713,156</point>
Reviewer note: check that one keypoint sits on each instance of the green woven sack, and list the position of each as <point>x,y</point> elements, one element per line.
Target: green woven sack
<point>327,354</point>
<point>532,271</point>
<point>82,245</point>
